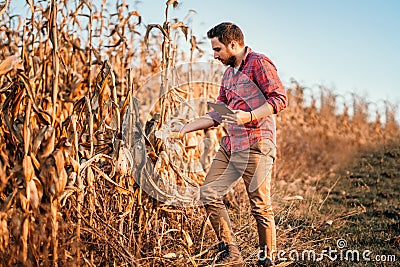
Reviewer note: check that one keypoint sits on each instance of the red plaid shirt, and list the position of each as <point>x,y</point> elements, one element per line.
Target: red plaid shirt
<point>255,83</point>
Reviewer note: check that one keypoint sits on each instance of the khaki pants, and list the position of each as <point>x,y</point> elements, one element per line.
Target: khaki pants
<point>254,165</point>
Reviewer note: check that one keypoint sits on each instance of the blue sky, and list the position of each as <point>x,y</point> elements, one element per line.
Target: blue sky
<point>351,46</point>
<point>347,45</point>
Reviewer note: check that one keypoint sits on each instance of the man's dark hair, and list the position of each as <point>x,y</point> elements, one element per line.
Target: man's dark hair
<point>226,33</point>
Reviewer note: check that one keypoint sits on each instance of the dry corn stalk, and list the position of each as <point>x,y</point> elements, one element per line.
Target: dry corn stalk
<point>3,7</point>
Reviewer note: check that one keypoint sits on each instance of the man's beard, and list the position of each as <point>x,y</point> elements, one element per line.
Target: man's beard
<point>231,61</point>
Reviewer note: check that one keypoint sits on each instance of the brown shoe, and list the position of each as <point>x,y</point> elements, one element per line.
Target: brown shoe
<point>230,256</point>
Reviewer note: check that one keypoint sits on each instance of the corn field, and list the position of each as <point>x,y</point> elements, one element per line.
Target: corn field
<point>85,181</point>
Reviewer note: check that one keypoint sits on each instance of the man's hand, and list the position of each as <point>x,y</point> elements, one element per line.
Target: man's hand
<point>177,131</point>
<point>180,129</point>
<point>239,117</point>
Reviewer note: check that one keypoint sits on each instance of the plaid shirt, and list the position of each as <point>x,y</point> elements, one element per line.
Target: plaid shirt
<point>255,83</point>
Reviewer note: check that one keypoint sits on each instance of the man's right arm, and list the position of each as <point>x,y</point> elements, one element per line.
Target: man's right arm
<point>203,122</point>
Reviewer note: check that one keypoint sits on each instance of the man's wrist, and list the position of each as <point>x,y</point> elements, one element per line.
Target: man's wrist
<point>182,131</point>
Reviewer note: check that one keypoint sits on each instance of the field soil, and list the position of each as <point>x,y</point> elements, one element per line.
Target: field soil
<point>362,209</point>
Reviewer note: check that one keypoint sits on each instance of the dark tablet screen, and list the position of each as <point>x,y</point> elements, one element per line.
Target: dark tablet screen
<point>222,109</point>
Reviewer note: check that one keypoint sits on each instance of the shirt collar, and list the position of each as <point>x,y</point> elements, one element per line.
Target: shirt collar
<point>244,60</point>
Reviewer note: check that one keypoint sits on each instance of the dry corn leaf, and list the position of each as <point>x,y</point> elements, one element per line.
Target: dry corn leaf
<point>4,234</point>
<point>35,161</point>
<point>61,177</point>
<point>13,62</point>
<point>65,195</point>
<point>48,143</point>
<point>24,202</point>
<point>38,139</point>
<point>170,255</point>
<point>27,168</point>
<point>74,163</point>
<point>184,28</point>
<point>189,241</point>
<point>89,176</point>
<point>3,167</point>
<point>46,172</point>
<point>290,198</point>
<point>108,179</point>
<point>24,238</point>
<point>174,3</point>
<point>150,27</point>
<point>72,178</point>
<point>35,189</point>
<point>125,161</point>
<point>167,208</point>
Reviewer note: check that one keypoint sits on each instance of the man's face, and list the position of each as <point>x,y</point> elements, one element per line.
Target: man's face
<point>223,53</point>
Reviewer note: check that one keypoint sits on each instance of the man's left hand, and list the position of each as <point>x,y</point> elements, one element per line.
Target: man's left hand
<point>238,117</point>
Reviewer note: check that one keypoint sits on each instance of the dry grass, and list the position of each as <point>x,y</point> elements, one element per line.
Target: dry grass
<point>73,146</point>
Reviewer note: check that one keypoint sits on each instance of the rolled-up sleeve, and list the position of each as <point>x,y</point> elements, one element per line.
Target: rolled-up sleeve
<point>267,80</point>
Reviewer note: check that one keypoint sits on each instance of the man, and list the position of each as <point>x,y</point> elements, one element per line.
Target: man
<point>252,89</point>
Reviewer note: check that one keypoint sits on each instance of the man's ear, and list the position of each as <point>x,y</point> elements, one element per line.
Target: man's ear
<point>233,45</point>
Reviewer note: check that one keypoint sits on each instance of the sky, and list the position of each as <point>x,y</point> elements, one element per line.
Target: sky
<point>349,46</point>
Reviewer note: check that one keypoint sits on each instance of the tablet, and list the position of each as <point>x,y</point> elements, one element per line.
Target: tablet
<point>222,109</point>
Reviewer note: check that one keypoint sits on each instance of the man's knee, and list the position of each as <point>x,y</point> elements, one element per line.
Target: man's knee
<point>210,193</point>
<point>262,209</point>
